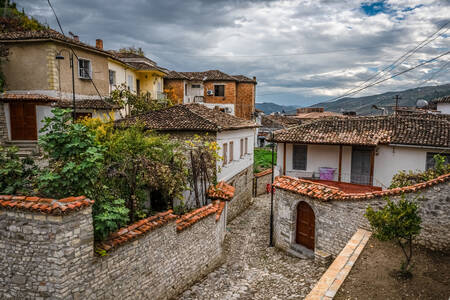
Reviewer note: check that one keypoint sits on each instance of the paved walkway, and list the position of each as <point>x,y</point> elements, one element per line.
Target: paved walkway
<point>252,270</point>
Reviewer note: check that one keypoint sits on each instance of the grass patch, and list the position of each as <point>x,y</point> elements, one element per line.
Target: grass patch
<point>263,159</point>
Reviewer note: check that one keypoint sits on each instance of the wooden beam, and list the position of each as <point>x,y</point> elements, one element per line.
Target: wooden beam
<point>372,162</point>
<point>284,159</point>
<point>340,164</point>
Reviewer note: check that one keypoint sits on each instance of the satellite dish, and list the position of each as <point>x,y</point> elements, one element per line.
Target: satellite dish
<point>421,103</point>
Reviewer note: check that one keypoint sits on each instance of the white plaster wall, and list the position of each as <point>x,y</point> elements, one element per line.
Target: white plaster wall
<point>192,92</point>
<point>444,108</point>
<point>122,73</point>
<point>41,113</point>
<point>8,120</point>
<point>213,105</point>
<point>238,164</point>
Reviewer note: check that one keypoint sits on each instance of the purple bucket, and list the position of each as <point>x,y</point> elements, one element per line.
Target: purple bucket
<point>326,173</point>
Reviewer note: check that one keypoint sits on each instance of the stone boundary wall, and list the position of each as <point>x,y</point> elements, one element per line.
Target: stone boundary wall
<point>242,182</point>
<point>262,179</point>
<point>332,279</point>
<point>46,254</point>
<point>337,220</point>
<point>3,125</point>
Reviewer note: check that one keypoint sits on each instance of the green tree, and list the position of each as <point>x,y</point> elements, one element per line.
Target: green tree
<point>132,50</point>
<point>397,221</point>
<point>16,174</point>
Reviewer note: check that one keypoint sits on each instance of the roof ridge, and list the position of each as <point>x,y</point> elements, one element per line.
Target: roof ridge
<point>195,113</point>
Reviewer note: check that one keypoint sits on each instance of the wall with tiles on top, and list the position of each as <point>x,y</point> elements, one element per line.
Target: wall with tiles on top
<point>243,183</point>
<point>337,220</point>
<point>52,256</point>
<point>262,179</point>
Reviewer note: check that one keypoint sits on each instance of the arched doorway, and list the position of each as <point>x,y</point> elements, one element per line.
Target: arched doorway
<point>305,225</point>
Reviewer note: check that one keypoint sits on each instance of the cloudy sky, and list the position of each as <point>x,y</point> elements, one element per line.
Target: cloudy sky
<point>301,52</point>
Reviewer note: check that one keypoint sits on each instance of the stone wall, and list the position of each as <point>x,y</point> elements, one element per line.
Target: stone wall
<point>262,179</point>
<point>337,220</point>
<point>52,257</point>
<point>3,128</point>
<point>242,182</point>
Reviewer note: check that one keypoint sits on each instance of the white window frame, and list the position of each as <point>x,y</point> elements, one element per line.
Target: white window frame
<point>113,77</point>
<point>130,82</point>
<point>79,68</point>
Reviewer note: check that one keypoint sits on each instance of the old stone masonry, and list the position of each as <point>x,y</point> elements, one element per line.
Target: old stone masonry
<point>252,270</point>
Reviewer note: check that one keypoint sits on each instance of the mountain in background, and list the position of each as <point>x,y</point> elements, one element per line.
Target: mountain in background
<point>363,105</point>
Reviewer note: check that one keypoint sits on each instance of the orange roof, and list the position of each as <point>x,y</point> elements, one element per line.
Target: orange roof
<point>44,205</point>
<point>328,193</point>
<point>262,173</point>
<point>222,191</point>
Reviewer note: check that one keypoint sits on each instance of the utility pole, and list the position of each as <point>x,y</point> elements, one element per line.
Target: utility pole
<point>397,97</point>
<point>271,192</point>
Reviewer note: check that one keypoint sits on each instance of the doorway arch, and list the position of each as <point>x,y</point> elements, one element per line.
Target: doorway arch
<point>306,222</point>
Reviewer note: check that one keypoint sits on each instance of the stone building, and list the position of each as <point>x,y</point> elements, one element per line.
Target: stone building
<point>234,94</point>
<point>233,135</point>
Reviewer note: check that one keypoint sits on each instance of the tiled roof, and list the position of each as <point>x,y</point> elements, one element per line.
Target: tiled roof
<point>263,173</point>
<point>48,34</point>
<point>44,205</point>
<point>194,117</point>
<point>146,67</point>
<point>279,121</point>
<point>211,75</point>
<point>445,99</point>
<point>328,193</point>
<point>316,115</point>
<point>138,229</point>
<point>7,97</point>
<point>87,104</point>
<point>221,191</point>
<point>423,130</point>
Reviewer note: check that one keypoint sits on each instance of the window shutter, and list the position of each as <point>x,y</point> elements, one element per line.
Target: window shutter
<point>231,151</point>
<point>299,157</point>
<point>242,148</point>
<point>246,145</point>
<point>225,157</point>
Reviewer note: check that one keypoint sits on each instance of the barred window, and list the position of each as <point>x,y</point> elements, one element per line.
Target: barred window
<point>299,157</point>
<point>84,68</point>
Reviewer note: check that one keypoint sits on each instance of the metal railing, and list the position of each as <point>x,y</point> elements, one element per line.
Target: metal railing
<point>199,99</point>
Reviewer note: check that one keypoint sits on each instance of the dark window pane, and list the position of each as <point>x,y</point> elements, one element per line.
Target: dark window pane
<point>219,90</point>
<point>299,159</point>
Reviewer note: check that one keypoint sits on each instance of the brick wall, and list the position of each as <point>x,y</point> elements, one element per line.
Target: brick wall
<point>52,257</point>
<point>242,182</point>
<point>230,92</point>
<point>3,128</point>
<point>245,102</point>
<point>177,86</point>
<point>336,221</point>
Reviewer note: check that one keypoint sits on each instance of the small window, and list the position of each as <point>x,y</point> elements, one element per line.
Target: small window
<point>225,156</point>
<point>195,86</point>
<point>130,83</point>
<point>430,159</point>
<point>246,146</point>
<point>185,89</point>
<point>242,148</point>
<point>84,68</point>
<point>299,157</point>
<point>219,90</point>
<point>231,151</point>
<point>112,77</point>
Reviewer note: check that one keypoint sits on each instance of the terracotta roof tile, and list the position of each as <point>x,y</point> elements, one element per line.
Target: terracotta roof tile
<point>44,205</point>
<point>262,173</point>
<point>8,97</point>
<point>328,193</point>
<point>279,121</point>
<point>423,129</point>
<point>221,191</point>
<point>445,99</point>
<point>195,117</point>
<point>210,75</point>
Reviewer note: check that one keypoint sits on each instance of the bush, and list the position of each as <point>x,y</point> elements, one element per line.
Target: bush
<point>403,178</point>
<point>397,221</point>
<point>16,175</point>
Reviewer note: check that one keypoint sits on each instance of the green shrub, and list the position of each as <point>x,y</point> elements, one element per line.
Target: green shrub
<point>263,159</point>
<point>16,175</point>
<point>397,221</point>
<point>403,178</point>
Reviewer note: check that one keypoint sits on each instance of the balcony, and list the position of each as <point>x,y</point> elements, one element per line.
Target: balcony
<point>199,99</point>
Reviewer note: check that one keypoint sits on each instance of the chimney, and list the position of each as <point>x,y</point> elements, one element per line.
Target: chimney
<point>254,78</point>
<point>99,44</point>
<point>76,38</point>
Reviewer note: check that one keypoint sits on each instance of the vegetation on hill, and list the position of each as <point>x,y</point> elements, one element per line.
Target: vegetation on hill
<point>263,159</point>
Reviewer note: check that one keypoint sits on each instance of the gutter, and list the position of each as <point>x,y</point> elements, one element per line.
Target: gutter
<point>420,147</point>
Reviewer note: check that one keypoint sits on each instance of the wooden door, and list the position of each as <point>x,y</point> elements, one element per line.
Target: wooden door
<point>305,225</point>
<point>361,165</point>
<point>23,121</point>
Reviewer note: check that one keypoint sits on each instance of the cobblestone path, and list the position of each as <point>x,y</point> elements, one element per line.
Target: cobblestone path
<point>252,270</point>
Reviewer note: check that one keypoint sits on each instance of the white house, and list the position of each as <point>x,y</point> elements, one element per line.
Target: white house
<point>234,136</point>
<point>442,104</point>
<point>362,150</point>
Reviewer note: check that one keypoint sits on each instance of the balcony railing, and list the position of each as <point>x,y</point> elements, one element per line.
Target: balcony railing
<point>199,99</point>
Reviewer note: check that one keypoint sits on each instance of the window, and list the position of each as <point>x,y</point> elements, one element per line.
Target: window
<point>225,156</point>
<point>219,90</point>
<point>112,77</point>
<point>185,89</point>
<point>246,145</point>
<point>195,86</point>
<point>299,157</point>
<point>84,68</point>
<point>242,148</point>
<point>231,151</point>
<point>130,83</point>
<point>138,86</point>
<point>430,159</point>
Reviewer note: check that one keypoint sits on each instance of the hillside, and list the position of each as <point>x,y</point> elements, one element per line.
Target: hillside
<point>269,107</point>
<point>363,105</point>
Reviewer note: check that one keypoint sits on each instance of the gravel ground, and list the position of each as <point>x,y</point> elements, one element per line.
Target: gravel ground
<point>252,270</point>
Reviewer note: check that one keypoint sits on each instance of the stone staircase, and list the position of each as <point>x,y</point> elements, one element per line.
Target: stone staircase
<point>25,147</point>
